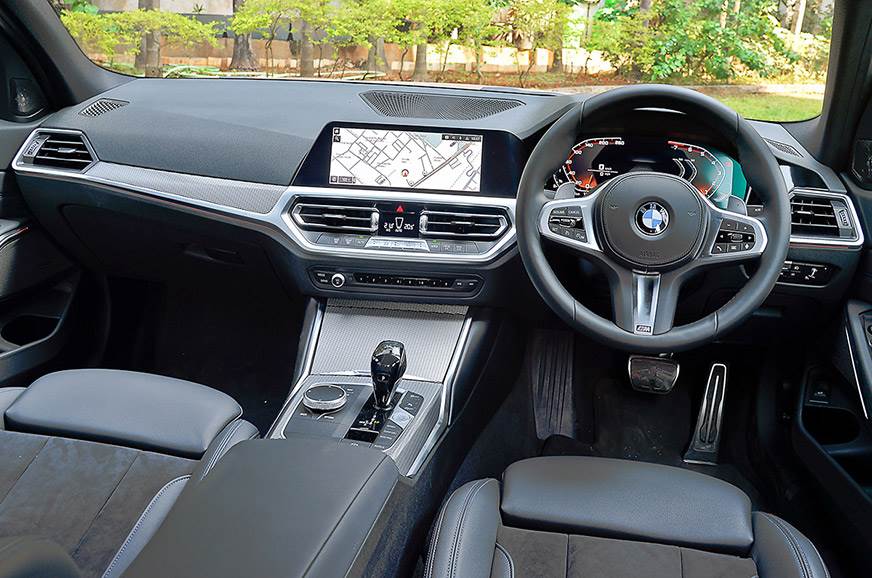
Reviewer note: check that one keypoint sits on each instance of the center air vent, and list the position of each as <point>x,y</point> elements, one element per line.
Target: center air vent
<point>59,150</point>
<point>821,216</point>
<point>335,217</point>
<point>444,224</point>
<point>421,105</point>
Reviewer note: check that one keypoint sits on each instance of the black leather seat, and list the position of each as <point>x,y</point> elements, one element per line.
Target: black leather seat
<point>583,517</point>
<point>91,461</point>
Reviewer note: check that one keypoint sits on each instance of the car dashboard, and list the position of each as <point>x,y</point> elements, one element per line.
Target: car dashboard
<point>353,189</point>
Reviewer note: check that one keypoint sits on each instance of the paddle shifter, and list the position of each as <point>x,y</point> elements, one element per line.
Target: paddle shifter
<point>387,367</point>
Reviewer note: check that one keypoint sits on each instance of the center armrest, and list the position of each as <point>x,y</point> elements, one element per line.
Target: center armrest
<point>127,408</point>
<point>294,507</point>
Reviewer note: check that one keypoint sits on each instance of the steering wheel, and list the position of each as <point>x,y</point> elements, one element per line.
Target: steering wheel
<point>650,231</point>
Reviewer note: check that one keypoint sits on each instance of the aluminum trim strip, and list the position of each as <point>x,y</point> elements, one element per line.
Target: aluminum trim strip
<point>279,217</point>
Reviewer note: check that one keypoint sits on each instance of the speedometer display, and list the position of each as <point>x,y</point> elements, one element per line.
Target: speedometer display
<point>596,160</point>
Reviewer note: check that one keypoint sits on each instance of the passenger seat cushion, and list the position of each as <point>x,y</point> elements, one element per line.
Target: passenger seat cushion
<point>81,495</point>
<point>138,410</point>
<point>628,500</point>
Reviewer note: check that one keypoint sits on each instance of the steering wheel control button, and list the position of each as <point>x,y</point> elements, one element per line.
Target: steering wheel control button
<point>734,237</point>
<point>325,398</point>
<point>567,222</point>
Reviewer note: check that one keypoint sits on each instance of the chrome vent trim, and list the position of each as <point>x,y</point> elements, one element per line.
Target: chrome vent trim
<point>102,106</point>
<point>820,217</point>
<point>338,217</point>
<point>60,150</point>
<point>460,224</point>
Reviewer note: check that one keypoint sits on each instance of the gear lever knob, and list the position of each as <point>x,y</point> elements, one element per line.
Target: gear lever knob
<point>387,367</point>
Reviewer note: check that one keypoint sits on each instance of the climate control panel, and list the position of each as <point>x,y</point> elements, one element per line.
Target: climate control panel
<point>329,278</point>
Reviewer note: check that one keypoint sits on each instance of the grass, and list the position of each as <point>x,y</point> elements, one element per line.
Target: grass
<point>774,107</point>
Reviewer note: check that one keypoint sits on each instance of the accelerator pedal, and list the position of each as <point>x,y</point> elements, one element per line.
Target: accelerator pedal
<point>706,438</point>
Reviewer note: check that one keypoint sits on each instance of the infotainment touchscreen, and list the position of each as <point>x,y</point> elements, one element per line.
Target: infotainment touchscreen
<point>399,159</point>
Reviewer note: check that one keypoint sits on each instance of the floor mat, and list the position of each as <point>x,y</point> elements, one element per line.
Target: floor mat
<point>549,356</point>
<point>616,421</point>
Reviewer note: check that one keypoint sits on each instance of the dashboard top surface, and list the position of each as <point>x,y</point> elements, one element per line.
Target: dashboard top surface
<point>260,131</point>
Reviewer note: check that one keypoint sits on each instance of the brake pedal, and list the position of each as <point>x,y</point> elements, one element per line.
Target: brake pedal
<point>653,374</point>
<point>707,433</point>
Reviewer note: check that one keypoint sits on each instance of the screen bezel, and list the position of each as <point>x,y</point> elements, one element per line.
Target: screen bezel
<point>501,164</point>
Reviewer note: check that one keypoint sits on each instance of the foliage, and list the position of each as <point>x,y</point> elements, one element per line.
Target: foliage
<point>698,41</point>
<point>117,33</point>
<point>542,24</point>
<point>702,41</point>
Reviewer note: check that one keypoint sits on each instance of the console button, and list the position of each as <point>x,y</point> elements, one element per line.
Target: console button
<point>390,433</point>
<point>337,280</point>
<point>412,402</point>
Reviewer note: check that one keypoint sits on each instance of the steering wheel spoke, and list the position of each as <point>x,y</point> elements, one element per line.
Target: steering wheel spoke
<point>645,303</point>
<point>569,222</point>
<point>732,237</point>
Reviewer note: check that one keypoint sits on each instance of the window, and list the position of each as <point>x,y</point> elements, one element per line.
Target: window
<point>765,58</point>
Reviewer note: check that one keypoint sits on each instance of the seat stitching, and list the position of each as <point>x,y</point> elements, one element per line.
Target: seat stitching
<point>509,558</point>
<point>431,561</point>
<point>458,532</point>
<point>140,521</point>
<point>797,553</point>
<point>21,475</point>
<point>219,451</point>
<point>103,507</point>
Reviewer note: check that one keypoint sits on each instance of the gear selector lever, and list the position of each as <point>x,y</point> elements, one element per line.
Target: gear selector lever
<point>387,367</point>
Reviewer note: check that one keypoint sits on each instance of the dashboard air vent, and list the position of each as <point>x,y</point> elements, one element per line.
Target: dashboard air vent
<point>335,217</point>
<point>418,105</point>
<point>444,224</point>
<point>820,216</point>
<point>783,147</point>
<point>102,106</point>
<point>62,151</point>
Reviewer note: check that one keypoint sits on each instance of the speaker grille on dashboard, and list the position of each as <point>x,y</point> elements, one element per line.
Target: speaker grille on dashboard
<point>102,106</point>
<point>417,105</point>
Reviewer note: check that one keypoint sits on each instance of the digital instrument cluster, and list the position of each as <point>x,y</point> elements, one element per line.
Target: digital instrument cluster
<point>594,161</point>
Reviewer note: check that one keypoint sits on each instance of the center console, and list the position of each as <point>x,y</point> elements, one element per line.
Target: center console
<point>378,375</point>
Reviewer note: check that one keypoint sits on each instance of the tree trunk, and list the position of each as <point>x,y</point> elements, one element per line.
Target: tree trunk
<point>152,54</point>
<point>307,51</point>
<point>376,58</point>
<point>420,73</point>
<point>645,6</point>
<point>557,61</point>
<point>148,57</point>
<point>797,20</point>
<point>243,55</point>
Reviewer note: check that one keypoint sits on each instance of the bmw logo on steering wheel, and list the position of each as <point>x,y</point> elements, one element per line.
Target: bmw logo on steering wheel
<point>652,218</point>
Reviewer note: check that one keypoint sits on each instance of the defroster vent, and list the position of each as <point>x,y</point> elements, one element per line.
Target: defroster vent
<point>436,106</point>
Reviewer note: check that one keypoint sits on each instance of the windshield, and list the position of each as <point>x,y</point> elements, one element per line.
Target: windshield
<point>765,58</point>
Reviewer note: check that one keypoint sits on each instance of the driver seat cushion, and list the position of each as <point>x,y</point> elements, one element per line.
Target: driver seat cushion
<point>577,517</point>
